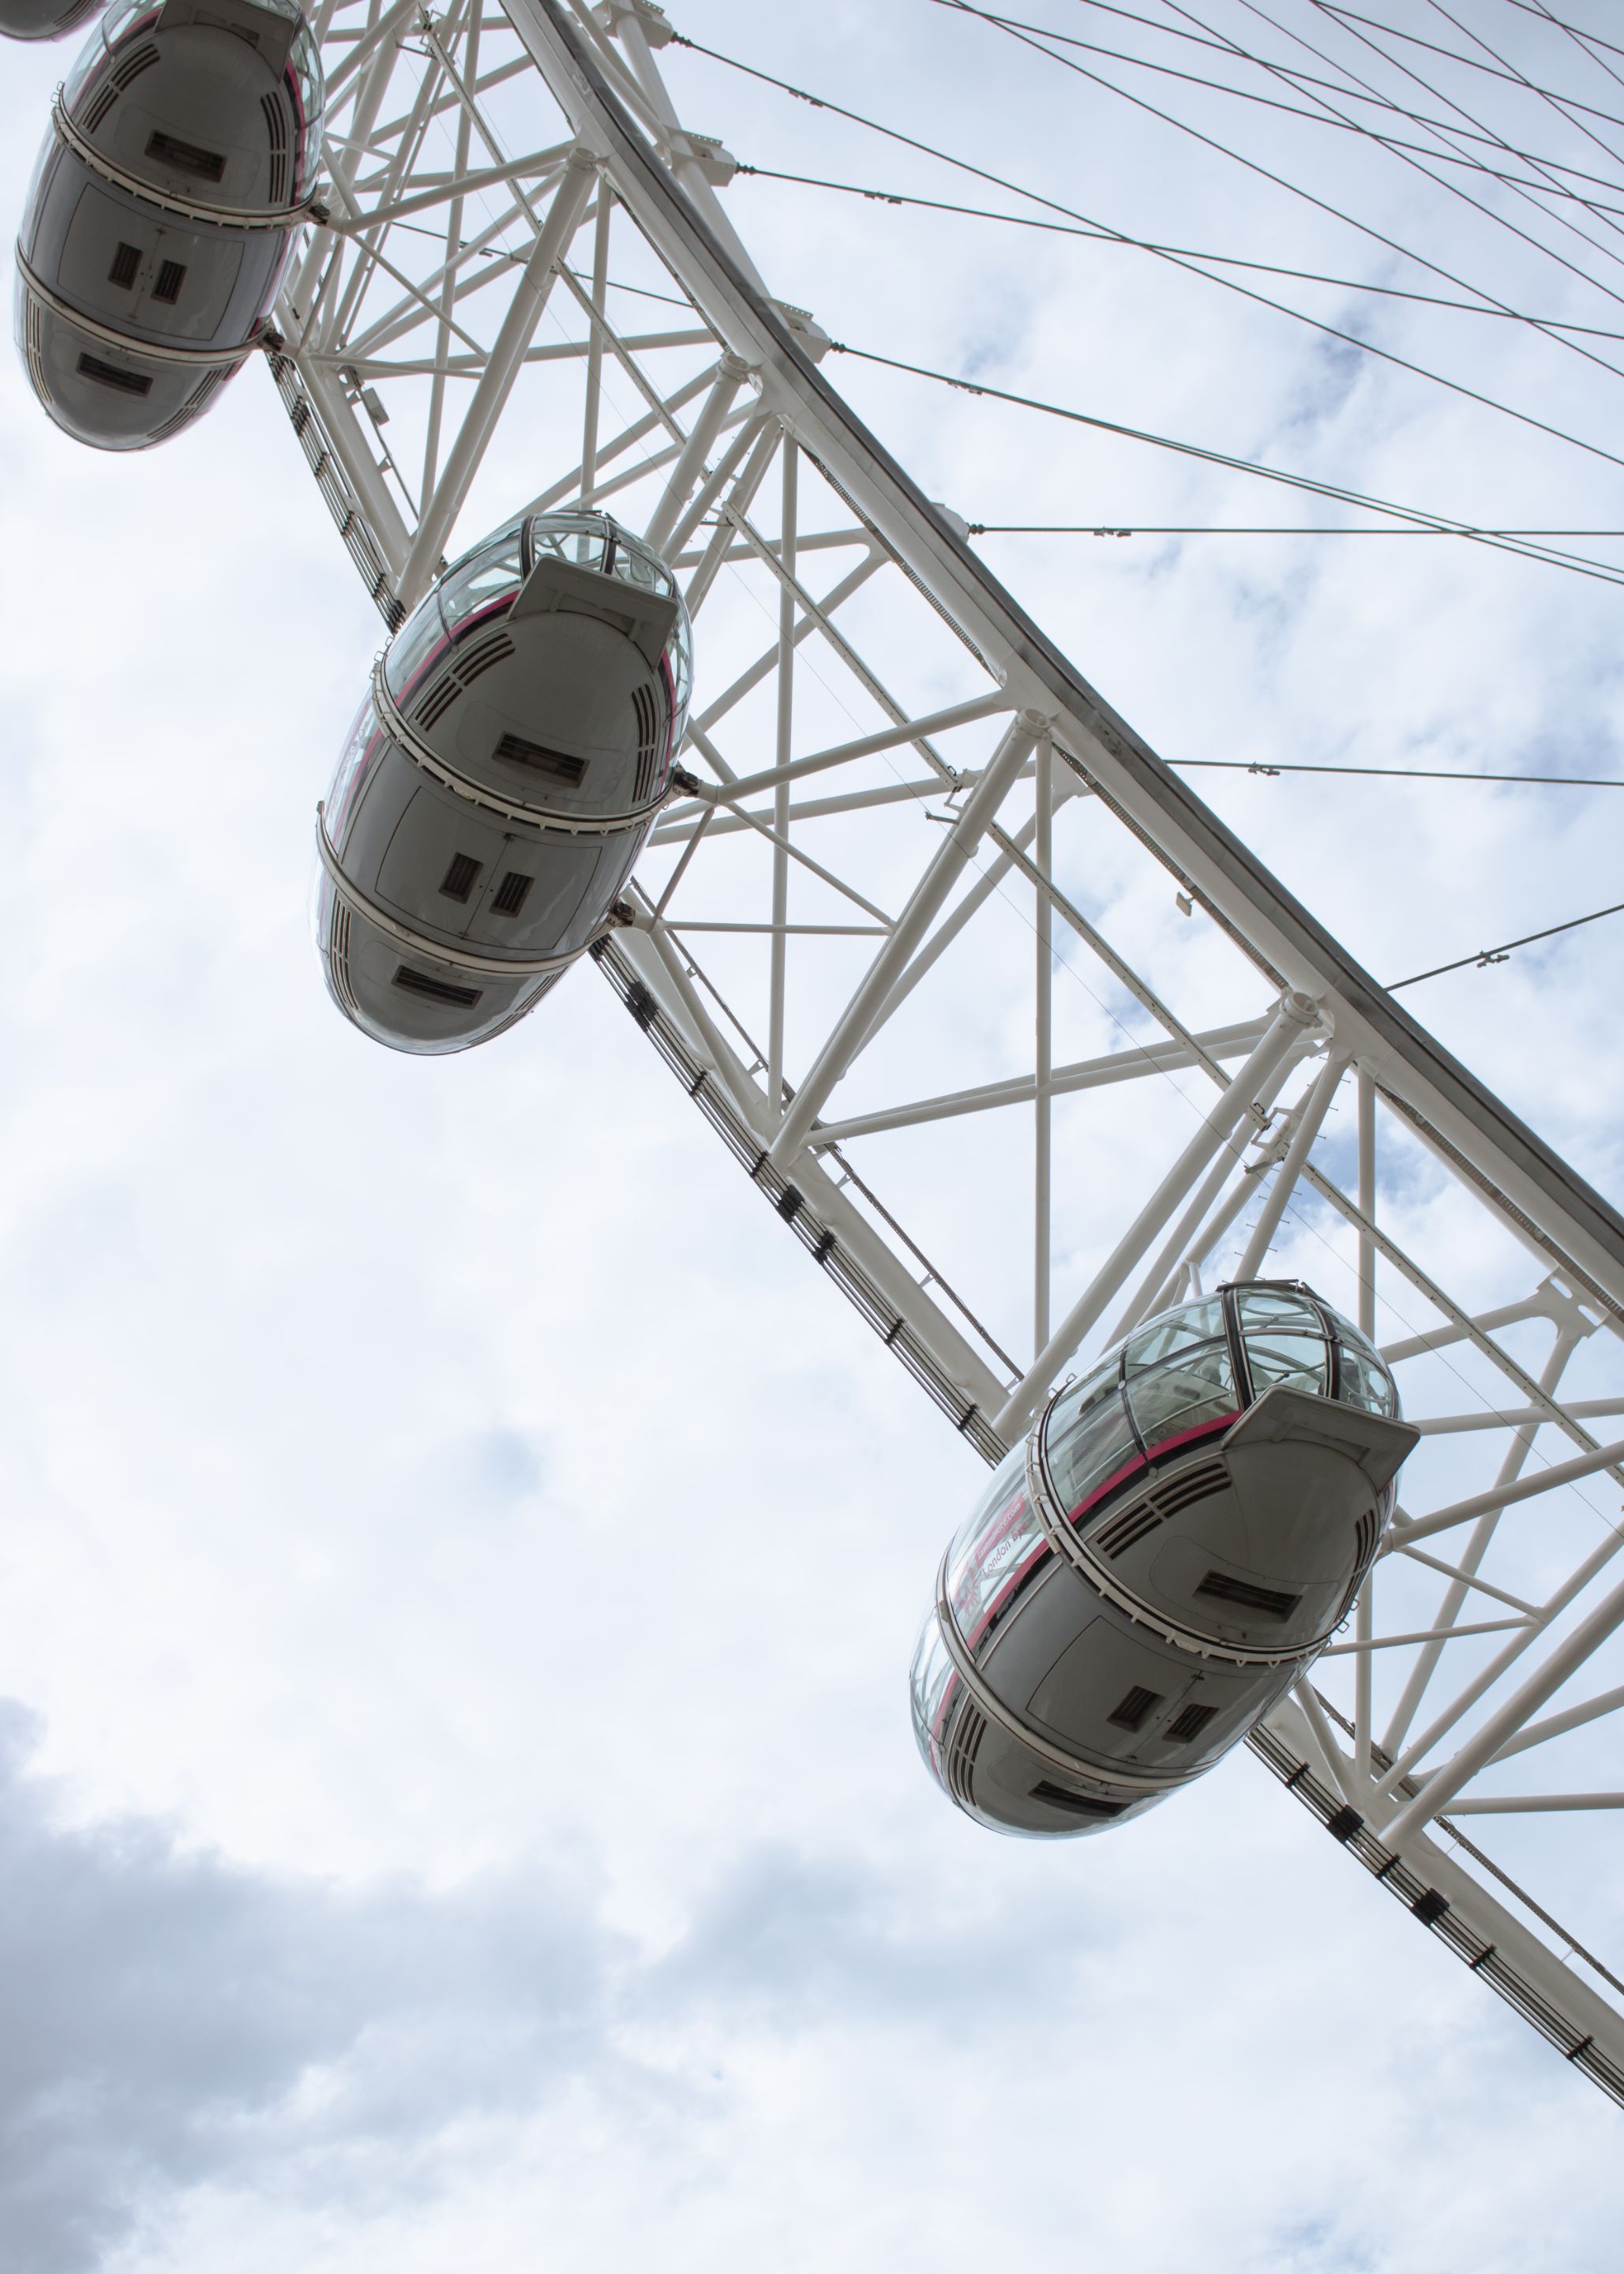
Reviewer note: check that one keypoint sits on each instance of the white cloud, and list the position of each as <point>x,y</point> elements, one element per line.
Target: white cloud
<point>464,1558</point>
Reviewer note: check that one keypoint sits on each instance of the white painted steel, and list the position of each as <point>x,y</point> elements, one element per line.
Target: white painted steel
<point>978,790</point>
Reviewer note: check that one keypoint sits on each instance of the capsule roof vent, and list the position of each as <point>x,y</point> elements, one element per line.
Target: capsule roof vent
<point>437,990</point>
<point>1076,1803</point>
<point>185,157</point>
<point>556,765</point>
<point>126,262</point>
<point>112,374</point>
<point>1188,1723</point>
<point>1268,1603</point>
<point>171,276</point>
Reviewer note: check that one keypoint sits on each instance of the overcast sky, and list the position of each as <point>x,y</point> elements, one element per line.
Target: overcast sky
<point>456,1801</point>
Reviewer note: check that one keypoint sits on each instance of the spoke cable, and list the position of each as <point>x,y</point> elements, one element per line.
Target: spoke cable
<point>1183,253</point>
<point>1580,564</point>
<point>1587,42</point>
<point>964,165</point>
<point>1227,283</point>
<point>1514,72</point>
<point>1246,528</point>
<point>1588,39</point>
<point>1139,102</point>
<point>1311,78</point>
<point>1528,194</point>
<point>1487,955</point>
<point>1438,94</point>
<point>1409,774</point>
<point>1315,118</point>
<point>1414,39</point>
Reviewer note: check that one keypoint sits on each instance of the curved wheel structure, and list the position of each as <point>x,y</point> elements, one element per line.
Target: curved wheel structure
<point>871,945</point>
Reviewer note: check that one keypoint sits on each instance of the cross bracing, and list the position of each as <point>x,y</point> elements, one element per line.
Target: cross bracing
<point>1020,1042</point>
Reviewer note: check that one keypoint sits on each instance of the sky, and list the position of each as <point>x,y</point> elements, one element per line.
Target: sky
<point>456,1799</point>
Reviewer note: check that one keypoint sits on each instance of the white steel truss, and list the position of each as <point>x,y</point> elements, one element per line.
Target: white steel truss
<point>874,947</point>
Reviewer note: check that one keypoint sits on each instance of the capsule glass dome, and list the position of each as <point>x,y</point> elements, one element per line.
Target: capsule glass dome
<point>1174,1540</point>
<point>485,581</point>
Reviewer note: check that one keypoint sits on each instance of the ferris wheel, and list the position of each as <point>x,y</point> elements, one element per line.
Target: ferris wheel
<point>834,868</point>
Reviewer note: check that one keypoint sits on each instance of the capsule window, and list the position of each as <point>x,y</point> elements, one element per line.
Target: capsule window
<point>557,765</point>
<point>1268,1603</point>
<point>1182,1330</point>
<point>186,157</point>
<point>171,276</point>
<point>126,263</point>
<point>984,1578</point>
<point>461,877</point>
<point>1076,1803</point>
<point>1135,1709</point>
<point>1193,1389</point>
<point>437,990</point>
<point>1361,1377</point>
<point>1285,1342</point>
<point>1089,1440</point>
<point>1188,1723</point>
<point>511,893</point>
<point>111,374</point>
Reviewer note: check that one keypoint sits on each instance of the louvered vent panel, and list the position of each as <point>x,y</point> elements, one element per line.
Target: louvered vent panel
<point>276,133</point>
<point>650,741</point>
<point>1150,1508</point>
<point>557,765</point>
<point>186,157</point>
<point>1364,1539</point>
<point>1135,1708</point>
<point>338,959</point>
<point>433,705</point>
<point>1188,1723</point>
<point>459,675</point>
<point>1076,1803</point>
<point>1115,1537</point>
<point>1191,1485</point>
<point>111,375</point>
<point>191,407</point>
<point>1268,1603</point>
<point>33,337</point>
<point>107,94</point>
<point>1364,1553</point>
<point>437,990</point>
<point>461,877</point>
<point>511,893</point>
<point>960,1765</point>
<point>495,647</point>
<point>126,261</point>
<point>525,1005</point>
<point>171,276</point>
